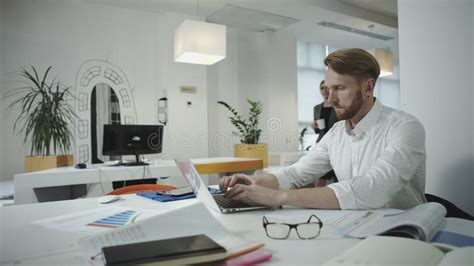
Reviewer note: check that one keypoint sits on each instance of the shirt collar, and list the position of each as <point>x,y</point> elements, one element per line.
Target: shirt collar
<point>367,122</point>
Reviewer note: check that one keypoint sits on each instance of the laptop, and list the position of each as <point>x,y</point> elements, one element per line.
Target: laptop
<point>218,202</point>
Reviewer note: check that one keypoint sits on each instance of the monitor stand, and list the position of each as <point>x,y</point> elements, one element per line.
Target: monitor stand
<point>138,162</point>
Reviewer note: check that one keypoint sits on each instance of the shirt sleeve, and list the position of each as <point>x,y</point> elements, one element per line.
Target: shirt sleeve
<point>304,172</point>
<point>394,168</point>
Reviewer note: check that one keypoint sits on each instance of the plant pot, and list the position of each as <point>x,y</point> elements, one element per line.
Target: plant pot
<point>259,151</point>
<point>37,163</point>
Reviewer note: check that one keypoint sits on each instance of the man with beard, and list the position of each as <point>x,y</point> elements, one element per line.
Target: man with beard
<point>377,153</point>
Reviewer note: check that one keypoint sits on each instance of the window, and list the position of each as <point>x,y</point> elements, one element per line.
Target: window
<point>311,70</point>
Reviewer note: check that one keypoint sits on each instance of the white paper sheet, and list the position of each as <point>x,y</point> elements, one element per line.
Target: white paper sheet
<point>379,250</point>
<point>80,221</point>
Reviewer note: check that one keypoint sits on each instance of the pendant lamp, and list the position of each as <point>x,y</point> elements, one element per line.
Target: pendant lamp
<point>198,42</point>
<point>385,59</point>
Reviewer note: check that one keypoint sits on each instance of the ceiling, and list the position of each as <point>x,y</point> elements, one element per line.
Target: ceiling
<point>358,14</point>
<point>387,7</point>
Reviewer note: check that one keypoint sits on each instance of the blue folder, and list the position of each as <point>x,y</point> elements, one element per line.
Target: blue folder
<point>158,196</point>
<point>453,239</point>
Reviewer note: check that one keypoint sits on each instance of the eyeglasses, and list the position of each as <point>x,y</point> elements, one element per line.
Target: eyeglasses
<point>308,230</point>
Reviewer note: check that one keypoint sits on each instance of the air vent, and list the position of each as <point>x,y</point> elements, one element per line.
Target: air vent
<point>353,30</point>
<point>249,19</point>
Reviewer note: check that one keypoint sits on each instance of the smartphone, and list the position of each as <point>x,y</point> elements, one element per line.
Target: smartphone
<point>179,191</point>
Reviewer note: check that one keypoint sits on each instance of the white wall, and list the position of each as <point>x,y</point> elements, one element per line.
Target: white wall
<point>186,132</point>
<point>472,77</point>
<point>260,66</point>
<point>282,92</point>
<point>65,34</point>
<point>436,70</point>
<point>223,85</point>
<point>2,107</point>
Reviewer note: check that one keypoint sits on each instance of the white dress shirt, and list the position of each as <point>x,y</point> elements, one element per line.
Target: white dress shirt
<point>380,163</point>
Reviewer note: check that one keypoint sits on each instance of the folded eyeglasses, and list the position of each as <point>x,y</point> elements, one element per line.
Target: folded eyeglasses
<point>306,230</point>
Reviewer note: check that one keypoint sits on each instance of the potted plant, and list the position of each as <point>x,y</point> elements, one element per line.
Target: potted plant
<point>248,132</point>
<point>45,118</point>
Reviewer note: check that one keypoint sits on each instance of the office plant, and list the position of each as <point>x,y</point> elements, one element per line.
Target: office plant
<point>45,119</point>
<point>248,132</point>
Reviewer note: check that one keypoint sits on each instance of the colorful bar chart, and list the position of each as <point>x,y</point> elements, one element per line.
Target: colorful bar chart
<point>116,220</point>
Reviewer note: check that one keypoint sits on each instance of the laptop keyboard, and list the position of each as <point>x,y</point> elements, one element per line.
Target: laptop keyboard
<point>229,203</point>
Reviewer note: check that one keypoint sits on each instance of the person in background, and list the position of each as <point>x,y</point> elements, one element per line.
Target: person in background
<point>323,111</point>
<point>378,153</point>
<point>326,113</point>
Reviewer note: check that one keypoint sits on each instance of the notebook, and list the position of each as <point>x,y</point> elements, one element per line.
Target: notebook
<point>216,202</point>
<point>175,251</point>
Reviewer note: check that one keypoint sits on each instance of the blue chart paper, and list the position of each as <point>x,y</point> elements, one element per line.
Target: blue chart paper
<point>165,197</point>
<point>454,239</point>
<point>117,220</point>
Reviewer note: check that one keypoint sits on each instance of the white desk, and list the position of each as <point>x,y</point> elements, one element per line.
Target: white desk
<point>25,184</point>
<point>23,242</point>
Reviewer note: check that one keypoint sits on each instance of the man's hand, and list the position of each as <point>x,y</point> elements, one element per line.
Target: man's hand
<point>320,182</point>
<point>314,125</point>
<point>230,181</point>
<point>243,187</point>
<point>264,190</point>
<point>255,194</point>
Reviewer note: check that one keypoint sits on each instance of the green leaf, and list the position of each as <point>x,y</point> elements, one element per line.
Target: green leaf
<point>248,131</point>
<point>44,117</point>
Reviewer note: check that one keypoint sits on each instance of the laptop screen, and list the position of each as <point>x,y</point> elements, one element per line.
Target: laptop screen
<point>199,188</point>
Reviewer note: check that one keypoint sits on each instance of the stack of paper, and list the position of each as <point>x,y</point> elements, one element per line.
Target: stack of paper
<point>191,220</point>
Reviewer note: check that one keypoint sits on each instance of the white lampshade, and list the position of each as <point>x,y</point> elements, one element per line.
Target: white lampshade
<point>385,59</point>
<point>198,42</point>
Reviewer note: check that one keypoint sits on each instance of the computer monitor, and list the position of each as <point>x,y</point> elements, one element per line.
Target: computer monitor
<point>132,140</point>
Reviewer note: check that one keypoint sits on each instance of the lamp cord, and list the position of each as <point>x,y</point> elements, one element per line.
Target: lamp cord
<point>197,8</point>
<point>371,27</point>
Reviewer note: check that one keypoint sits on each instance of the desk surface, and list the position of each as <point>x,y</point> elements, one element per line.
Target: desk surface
<point>219,165</point>
<point>23,242</point>
<point>26,243</point>
<point>226,164</point>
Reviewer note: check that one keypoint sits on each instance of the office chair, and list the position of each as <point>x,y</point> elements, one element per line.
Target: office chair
<point>452,210</point>
<point>133,189</point>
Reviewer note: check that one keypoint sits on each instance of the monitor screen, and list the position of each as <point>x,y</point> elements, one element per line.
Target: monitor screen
<point>132,139</point>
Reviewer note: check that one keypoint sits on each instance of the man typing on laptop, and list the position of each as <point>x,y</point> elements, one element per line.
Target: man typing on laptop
<point>216,202</point>
<point>377,153</point>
